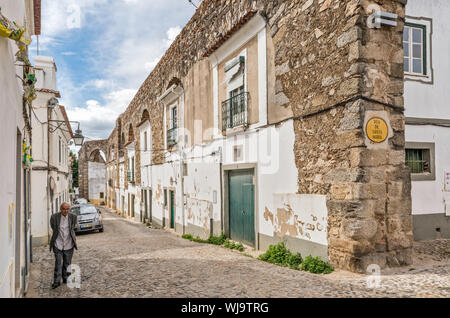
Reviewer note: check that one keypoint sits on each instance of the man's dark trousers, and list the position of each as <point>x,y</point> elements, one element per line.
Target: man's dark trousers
<point>62,260</point>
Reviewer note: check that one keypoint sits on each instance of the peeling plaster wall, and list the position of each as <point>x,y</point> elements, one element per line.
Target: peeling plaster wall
<point>202,180</point>
<point>166,176</point>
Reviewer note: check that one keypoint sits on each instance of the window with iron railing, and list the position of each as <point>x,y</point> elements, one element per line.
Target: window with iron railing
<point>418,160</point>
<point>235,109</point>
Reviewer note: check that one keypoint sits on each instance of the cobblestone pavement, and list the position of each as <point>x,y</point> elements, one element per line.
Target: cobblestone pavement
<point>130,260</point>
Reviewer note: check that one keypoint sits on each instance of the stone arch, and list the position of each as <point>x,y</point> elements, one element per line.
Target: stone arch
<point>91,151</point>
<point>97,155</point>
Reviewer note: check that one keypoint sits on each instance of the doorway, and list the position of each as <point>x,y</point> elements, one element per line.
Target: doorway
<point>132,205</point>
<point>241,196</point>
<point>172,209</point>
<point>145,205</point>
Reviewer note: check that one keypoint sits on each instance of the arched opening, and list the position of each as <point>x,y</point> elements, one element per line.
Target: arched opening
<point>145,115</point>
<point>130,133</point>
<point>97,156</point>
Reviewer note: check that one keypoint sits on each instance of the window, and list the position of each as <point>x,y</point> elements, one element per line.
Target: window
<point>418,160</point>
<point>415,49</point>
<point>419,157</point>
<point>173,125</point>
<point>132,169</point>
<point>102,195</point>
<point>145,141</point>
<point>130,173</point>
<point>173,117</point>
<point>59,149</point>
<point>165,197</point>
<point>234,109</point>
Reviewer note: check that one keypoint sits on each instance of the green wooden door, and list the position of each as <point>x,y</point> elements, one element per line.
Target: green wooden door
<point>172,210</point>
<point>242,206</point>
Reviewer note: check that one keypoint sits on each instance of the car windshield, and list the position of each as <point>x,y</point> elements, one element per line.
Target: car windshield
<point>81,201</point>
<point>86,209</point>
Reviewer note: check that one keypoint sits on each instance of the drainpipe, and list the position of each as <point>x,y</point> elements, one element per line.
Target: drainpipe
<point>182,187</point>
<point>48,173</point>
<point>221,191</point>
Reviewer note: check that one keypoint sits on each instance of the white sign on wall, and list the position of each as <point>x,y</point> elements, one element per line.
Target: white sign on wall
<point>446,181</point>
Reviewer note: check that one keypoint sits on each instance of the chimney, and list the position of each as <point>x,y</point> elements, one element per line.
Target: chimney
<point>45,72</point>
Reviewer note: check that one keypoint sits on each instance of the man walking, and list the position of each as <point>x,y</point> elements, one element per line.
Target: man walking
<point>63,242</point>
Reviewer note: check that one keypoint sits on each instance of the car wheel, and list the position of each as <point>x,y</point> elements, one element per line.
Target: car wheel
<point>101,230</point>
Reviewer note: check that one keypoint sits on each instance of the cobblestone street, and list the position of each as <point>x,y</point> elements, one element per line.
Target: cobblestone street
<point>130,260</point>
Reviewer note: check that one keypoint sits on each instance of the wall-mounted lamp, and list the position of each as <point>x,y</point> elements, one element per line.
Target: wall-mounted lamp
<point>379,18</point>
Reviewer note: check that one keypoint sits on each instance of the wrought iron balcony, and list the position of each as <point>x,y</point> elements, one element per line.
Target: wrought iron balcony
<point>235,112</point>
<point>172,137</point>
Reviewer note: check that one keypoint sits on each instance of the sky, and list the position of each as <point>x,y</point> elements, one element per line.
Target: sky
<point>104,50</point>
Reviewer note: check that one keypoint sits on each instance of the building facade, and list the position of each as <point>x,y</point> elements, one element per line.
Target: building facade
<point>16,94</point>
<point>262,121</point>
<point>427,116</point>
<point>51,171</point>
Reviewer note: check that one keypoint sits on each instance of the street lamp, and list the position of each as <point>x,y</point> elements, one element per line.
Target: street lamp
<point>78,138</point>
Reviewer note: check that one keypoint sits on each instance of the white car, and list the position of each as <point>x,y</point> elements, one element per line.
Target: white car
<point>80,201</point>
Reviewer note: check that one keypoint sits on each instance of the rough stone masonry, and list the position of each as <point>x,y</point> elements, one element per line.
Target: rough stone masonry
<point>333,73</point>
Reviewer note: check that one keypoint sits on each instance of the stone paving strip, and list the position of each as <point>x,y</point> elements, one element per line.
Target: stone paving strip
<point>130,260</point>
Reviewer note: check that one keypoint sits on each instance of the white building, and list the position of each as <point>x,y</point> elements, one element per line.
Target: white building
<point>15,129</point>
<point>427,68</point>
<point>231,173</point>
<point>51,170</point>
<point>97,182</point>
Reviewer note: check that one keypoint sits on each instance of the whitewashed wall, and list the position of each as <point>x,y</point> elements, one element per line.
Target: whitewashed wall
<point>97,179</point>
<point>276,184</point>
<point>425,100</point>
<point>431,101</point>
<point>12,121</point>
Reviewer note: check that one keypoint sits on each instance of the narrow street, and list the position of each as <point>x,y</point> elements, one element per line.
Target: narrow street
<point>130,260</point>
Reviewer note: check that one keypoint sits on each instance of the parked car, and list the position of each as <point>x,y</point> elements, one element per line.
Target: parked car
<point>89,218</point>
<point>80,201</point>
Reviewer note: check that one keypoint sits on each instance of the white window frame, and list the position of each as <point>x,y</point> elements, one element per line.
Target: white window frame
<point>411,44</point>
<point>427,74</point>
<point>255,27</point>
<point>171,107</point>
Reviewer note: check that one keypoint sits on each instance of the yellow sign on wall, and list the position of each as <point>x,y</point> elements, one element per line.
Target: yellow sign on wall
<point>377,130</point>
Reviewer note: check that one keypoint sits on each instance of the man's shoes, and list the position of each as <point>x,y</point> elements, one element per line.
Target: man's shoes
<point>55,285</point>
<point>64,280</point>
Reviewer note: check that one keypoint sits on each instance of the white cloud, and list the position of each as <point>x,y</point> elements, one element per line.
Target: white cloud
<point>98,120</point>
<point>172,35</point>
<point>131,37</point>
